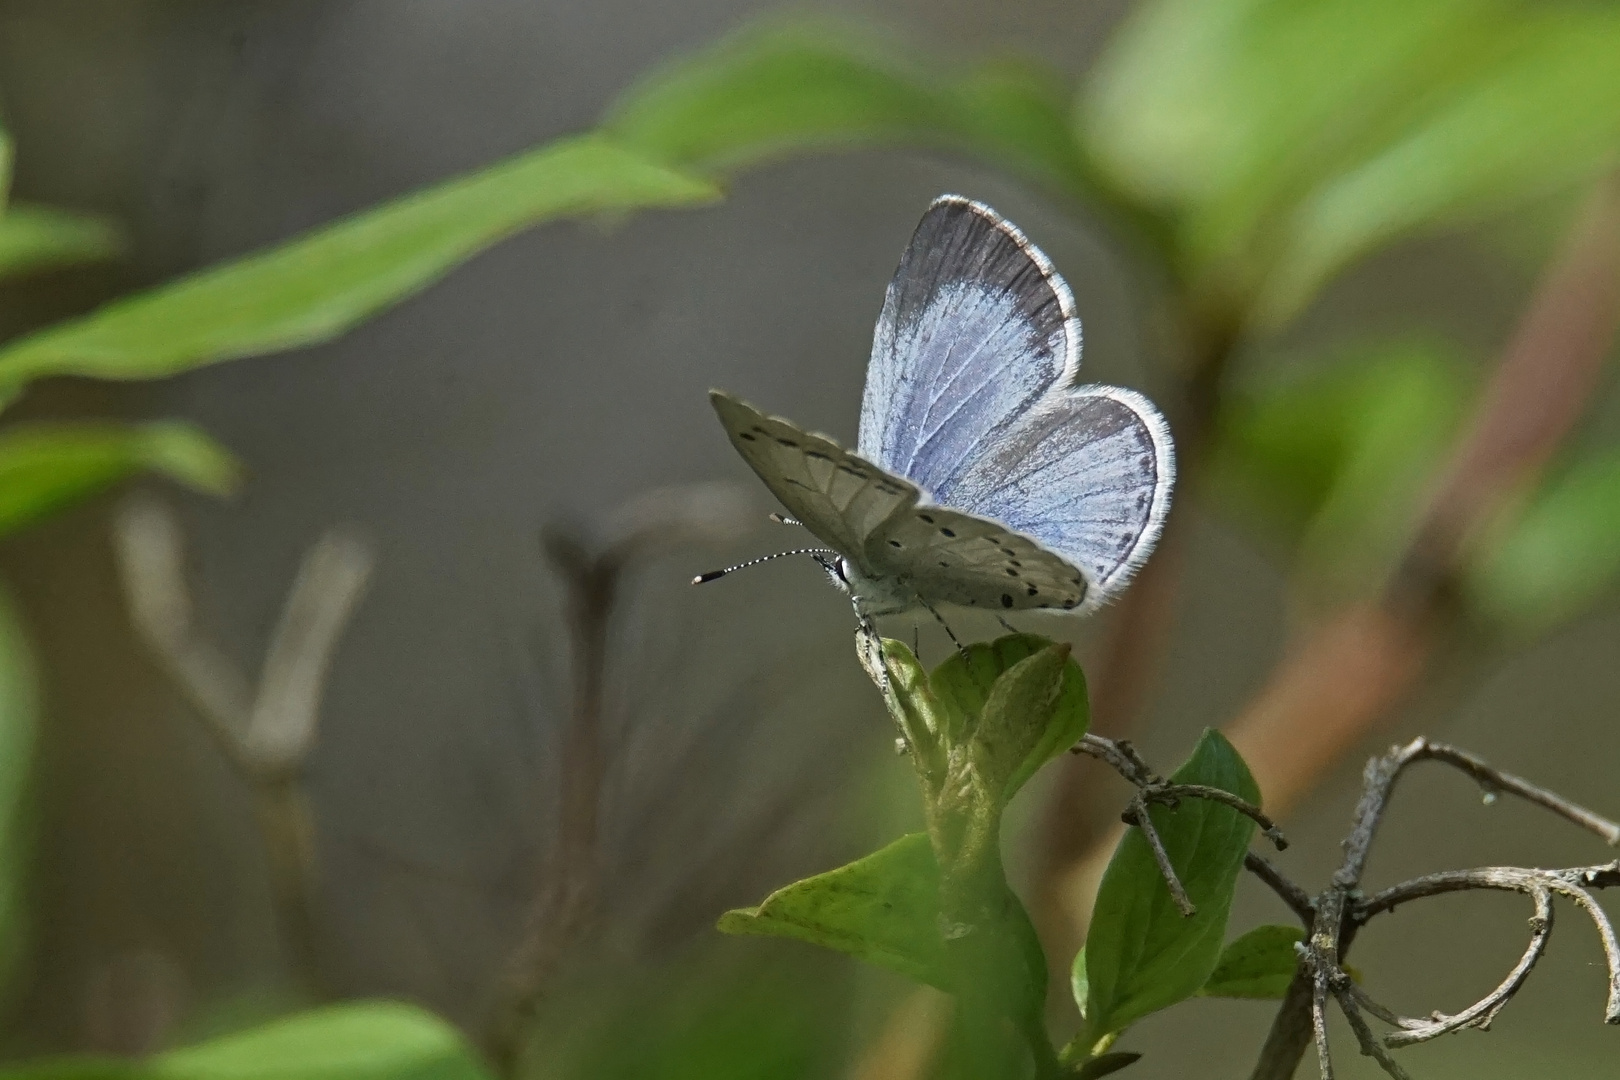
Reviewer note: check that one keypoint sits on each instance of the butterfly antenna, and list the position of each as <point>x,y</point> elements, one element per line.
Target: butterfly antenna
<point>713,575</point>
<point>783,519</point>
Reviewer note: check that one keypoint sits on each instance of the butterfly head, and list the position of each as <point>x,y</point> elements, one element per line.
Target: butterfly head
<point>836,567</point>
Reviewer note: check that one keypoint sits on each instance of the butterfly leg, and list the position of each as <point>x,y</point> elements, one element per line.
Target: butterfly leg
<point>948,631</point>
<point>1010,628</point>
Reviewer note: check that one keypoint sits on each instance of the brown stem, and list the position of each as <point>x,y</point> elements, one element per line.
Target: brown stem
<point>566,898</point>
<point>266,735</point>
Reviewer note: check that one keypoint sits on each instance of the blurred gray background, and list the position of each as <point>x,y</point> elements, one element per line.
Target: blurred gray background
<point>551,379</point>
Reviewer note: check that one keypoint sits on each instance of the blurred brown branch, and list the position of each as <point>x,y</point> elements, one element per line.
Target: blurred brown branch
<point>265,735</point>
<point>566,901</point>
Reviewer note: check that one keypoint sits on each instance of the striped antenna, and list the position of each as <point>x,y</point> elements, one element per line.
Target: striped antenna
<point>714,575</point>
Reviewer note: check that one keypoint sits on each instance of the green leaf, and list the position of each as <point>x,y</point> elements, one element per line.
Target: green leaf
<point>1142,955</point>
<point>704,1014</point>
<point>772,91</point>
<point>1105,1065</point>
<point>315,287</point>
<point>366,1040</point>
<point>1022,714</point>
<point>1544,114</point>
<point>1340,458</point>
<point>927,725</point>
<point>47,466</point>
<point>883,909</point>
<point>41,237</point>
<point>1558,555</point>
<point>1228,110</point>
<point>1259,964</point>
<point>1288,139</point>
<point>19,712</point>
<point>355,1041</point>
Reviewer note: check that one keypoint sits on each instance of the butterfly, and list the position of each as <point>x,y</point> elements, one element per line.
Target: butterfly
<point>984,476</point>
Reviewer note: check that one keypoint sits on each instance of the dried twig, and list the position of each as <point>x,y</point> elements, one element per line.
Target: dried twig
<point>1152,788</point>
<point>1341,909</point>
<point>265,735</point>
<point>1298,900</point>
<point>1138,815</point>
<point>1171,793</point>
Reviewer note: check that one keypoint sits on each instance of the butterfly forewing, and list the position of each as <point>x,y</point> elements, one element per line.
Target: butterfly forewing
<point>838,496</point>
<point>976,327</point>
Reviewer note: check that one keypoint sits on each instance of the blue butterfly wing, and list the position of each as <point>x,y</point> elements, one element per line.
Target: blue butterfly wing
<point>970,395</point>
<point>1087,472</point>
<point>975,328</point>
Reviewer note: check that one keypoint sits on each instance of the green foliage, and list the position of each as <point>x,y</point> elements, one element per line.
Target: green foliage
<point>937,907</point>
<point>697,1017</point>
<point>1555,557</point>
<point>1024,701</point>
<point>1105,1065</point>
<point>1142,954</point>
<point>1341,457</point>
<point>1259,964</point>
<point>777,90</point>
<point>883,909</point>
<point>313,288</point>
<point>42,237</point>
<point>46,466</point>
<point>19,707</point>
<point>367,1040</point>
<point>1288,139</point>
<point>356,1041</point>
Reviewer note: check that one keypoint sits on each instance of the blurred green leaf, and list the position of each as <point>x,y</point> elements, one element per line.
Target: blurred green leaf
<point>1142,954</point>
<point>317,286</point>
<point>1340,458</point>
<point>1289,138</point>
<point>1558,554</point>
<point>7,151</point>
<point>769,92</point>
<point>883,909</point>
<point>1544,114</point>
<point>697,1016</point>
<point>373,1040</point>
<point>1259,964</point>
<point>364,1040</point>
<point>46,466</point>
<point>1105,1065</point>
<point>1020,715</point>
<point>19,709</point>
<point>42,237</point>
<point>76,1067</point>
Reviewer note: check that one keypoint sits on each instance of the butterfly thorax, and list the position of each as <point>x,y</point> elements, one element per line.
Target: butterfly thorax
<point>871,595</point>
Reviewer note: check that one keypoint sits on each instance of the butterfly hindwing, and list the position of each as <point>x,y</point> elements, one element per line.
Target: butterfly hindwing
<point>976,327</point>
<point>1087,473</point>
<point>838,496</point>
<point>955,558</point>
